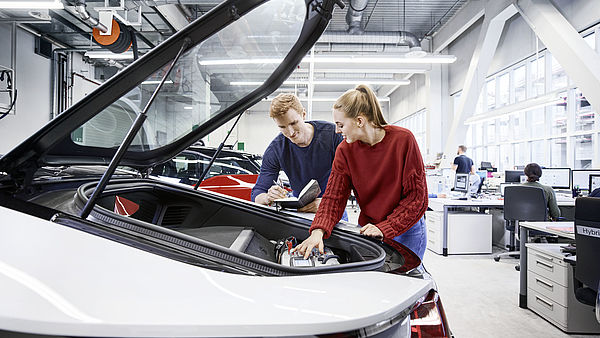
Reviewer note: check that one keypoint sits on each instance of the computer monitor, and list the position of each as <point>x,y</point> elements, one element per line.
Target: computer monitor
<point>461,183</point>
<point>594,182</point>
<point>485,165</point>
<point>513,176</point>
<point>581,177</point>
<point>557,178</point>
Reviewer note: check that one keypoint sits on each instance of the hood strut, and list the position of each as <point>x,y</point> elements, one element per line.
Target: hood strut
<point>135,127</point>
<point>212,160</point>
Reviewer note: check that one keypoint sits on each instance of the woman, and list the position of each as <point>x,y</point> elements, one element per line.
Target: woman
<point>383,165</point>
<point>533,172</point>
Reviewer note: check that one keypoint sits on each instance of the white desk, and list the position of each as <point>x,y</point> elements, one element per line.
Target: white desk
<point>524,228</point>
<point>446,204</point>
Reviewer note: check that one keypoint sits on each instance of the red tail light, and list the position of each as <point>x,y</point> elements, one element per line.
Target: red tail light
<point>428,319</point>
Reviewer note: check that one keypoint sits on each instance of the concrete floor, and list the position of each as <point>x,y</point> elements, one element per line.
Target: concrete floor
<point>481,296</point>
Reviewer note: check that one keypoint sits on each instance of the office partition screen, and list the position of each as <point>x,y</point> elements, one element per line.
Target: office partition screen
<point>581,177</point>
<point>557,178</point>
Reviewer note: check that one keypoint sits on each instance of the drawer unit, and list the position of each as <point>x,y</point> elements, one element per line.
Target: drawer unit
<point>547,308</point>
<point>550,291</point>
<point>433,221</point>
<point>547,288</point>
<point>547,266</point>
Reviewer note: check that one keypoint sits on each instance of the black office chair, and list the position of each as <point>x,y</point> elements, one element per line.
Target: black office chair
<point>521,203</point>
<point>587,242</point>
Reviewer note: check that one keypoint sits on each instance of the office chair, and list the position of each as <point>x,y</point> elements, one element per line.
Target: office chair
<point>522,203</point>
<point>587,243</point>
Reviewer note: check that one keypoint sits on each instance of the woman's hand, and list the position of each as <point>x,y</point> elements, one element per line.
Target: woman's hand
<point>371,231</point>
<point>314,240</point>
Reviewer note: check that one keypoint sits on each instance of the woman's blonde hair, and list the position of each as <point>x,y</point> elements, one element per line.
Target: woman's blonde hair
<point>361,101</point>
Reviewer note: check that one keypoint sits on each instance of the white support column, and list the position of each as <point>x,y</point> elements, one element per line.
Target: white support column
<point>435,110</point>
<point>578,59</point>
<point>496,14</point>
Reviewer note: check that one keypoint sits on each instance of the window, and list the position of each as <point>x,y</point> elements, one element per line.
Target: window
<point>585,116</point>
<point>536,122</point>
<point>503,90</point>
<point>558,116</point>
<point>536,71</point>
<point>558,152</point>
<point>417,125</point>
<point>520,84</point>
<point>583,151</point>
<point>538,154</point>
<point>491,94</point>
<point>559,76</point>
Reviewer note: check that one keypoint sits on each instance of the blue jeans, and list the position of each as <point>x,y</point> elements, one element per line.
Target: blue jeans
<point>415,238</point>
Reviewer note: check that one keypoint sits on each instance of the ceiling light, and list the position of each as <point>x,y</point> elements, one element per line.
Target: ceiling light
<point>328,99</point>
<point>188,107</point>
<point>153,82</point>
<point>104,54</point>
<point>329,82</point>
<point>24,4</point>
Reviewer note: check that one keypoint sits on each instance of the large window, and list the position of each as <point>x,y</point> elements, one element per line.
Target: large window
<point>417,125</point>
<point>552,122</point>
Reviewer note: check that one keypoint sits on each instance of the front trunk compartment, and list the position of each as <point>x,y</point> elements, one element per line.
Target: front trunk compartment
<point>219,228</point>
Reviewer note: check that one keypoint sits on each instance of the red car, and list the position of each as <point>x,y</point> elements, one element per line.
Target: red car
<point>233,173</point>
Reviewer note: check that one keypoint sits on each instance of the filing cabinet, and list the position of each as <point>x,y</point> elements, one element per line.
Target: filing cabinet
<point>550,291</point>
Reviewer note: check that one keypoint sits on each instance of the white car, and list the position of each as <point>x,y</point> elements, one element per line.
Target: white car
<point>90,249</point>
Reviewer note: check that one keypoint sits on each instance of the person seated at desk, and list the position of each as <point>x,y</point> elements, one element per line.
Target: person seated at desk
<point>533,172</point>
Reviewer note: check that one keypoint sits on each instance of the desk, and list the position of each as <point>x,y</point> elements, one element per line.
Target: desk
<point>524,228</point>
<point>446,204</point>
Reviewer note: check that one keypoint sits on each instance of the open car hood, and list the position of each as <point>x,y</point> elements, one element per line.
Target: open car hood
<point>231,43</point>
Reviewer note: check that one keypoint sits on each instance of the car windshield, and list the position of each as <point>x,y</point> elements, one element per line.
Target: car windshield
<point>207,79</point>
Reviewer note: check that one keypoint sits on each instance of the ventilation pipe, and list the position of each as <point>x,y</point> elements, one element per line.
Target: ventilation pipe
<point>397,38</point>
<point>354,16</point>
<point>80,7</point>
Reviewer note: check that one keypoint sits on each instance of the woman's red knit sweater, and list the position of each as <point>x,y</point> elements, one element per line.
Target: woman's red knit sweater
<point>388,180</point>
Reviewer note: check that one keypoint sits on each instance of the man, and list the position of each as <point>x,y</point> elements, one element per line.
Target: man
<point>304,150</point>
<point>462,163</point>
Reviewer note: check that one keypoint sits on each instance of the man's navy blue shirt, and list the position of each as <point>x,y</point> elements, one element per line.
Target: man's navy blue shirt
<point>300,164</point>
<point>464,164</point>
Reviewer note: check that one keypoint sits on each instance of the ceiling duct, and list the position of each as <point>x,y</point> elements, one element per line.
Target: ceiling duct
<point>396,38</point>
<point>354,16</point>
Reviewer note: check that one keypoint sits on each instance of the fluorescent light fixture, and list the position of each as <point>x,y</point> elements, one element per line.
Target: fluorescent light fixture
<point>24,4</point>
<point>329,82</point>
<point>153,82</point>
<point>238,62</point>
<point>400,59</point>
<point>188,107</point>
<point>104,54</point>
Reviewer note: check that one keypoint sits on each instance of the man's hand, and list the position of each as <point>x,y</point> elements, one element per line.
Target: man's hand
<point>314,240</point>
<point>371,231</point>
<point>272,194</point>
<point>312,206</point>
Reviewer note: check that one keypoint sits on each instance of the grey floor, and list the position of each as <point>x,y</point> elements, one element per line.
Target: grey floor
<point>480,296</point>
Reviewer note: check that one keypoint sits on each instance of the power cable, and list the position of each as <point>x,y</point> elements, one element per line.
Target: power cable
<point>9,84</point>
